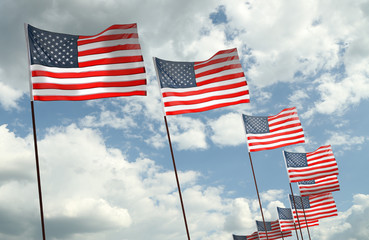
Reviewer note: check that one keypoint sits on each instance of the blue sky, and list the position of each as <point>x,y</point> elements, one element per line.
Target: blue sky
<point>105,164</point>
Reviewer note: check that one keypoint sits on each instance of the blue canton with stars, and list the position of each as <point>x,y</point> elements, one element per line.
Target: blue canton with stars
<point>295,159</point>
<point>176,74</point>
<point>305,201</point>
<point>256,125</point>
<point>52,49</point>
<point>284,213</point>
<point>307,182</point>
<point>260,226</point>
<point>235,237</point>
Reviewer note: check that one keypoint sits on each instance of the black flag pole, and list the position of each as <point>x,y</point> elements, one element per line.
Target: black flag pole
<point>257,192</point>
<point>35,139</point>
<point>307,226</point>
<point>176,174</point>
<point>298,220</point>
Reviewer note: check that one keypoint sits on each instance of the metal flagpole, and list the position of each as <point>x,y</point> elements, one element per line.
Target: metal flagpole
<point>257,191</point>
<point>307,226</point>
<point>35,140</point>
<point>298,220</point>
<point>176,174</point>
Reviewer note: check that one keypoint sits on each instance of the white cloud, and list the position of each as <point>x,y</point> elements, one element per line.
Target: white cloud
<point>228,130</point>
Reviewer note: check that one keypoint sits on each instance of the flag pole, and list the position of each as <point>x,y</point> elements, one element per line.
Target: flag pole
<point>35,139</point>
<point>38,171</point>
<point>176,174</point>
<point>298,220</point>
<point>257,192</point>
<point>307,226</point>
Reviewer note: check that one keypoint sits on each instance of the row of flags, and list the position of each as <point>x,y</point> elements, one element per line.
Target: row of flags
<point>314,172</point>
<point>110,64</point>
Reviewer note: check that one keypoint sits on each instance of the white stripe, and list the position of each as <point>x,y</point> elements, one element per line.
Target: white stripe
<point>88,69</point>
<point>275,145</point>
<point>207,86</point>
<point>206,104</point>
<point>217,65</point>
<point>217,56</point>
<point>268,136</point>
<point>121,78</point>
<point>205,95</point>
<point>122,53</point>
<point>283,125</point>
<point>56,92</point>
<point>219,74</point>
<point>111,32</point>
<point>110,43</point>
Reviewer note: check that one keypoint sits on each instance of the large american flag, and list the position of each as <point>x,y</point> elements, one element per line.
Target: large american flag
<point>319,186</point>
<point>264,133</point>
<point>272,229</point>
<point>315,206</point>
<point>287,223</point>
<point>72,67</point>
<point>188,87</point>
<point>311,165</point>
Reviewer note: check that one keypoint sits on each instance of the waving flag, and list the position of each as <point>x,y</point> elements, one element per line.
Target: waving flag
<point>311,165</point>
<point>287,223</point>
<point>273,230</point>
<point>188,87</point>
<point>72,67</point>
<point>264,133</point>
<point>316,206</point>
<point>319,186</point>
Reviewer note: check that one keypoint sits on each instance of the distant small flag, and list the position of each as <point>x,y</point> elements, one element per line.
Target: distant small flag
<point>72,67</point>
<point>315,206</point>
<point>239,237</point>
<point>319,186</point>
<point>189,87</point>
<point>273,230</point>
<point>287,223</point>
<point>311,165</point>
<point>264,133</point>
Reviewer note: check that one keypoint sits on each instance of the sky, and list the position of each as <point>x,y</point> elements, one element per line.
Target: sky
<point>106,169</point>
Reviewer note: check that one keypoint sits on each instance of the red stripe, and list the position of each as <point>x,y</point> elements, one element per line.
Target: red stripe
<point>274,135</point>
<point>308,169</point>
<point>276,141</point>
<point>202,91</point>
<point>322,162</point>
<point>81,42</point>
<point>208,99</point>
<point>206,108</point>
<point>219,53</point>
<point>88,97</point>
<point>225,59</point>
<point>107,61</point>
<point>321,156</point>
<point>276,146</point>
<point>116,26</point>
<point>88,85</point>
<point>221,78</point>
<point>283,113</point>
<point>286,127</point>
<point>118,72</point>
<point>283,121</point>
<point>217,70</point>
<point>109,49</point>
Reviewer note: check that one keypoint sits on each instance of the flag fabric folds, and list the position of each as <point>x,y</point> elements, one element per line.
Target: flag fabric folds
<point>72,67</point>
<point>319,186</point>
<point>188,87</point>
<point>311,165</point>
<point>273,230</point>
<point>316,206</point>
<point>287,223</point>
<point>264,133</point>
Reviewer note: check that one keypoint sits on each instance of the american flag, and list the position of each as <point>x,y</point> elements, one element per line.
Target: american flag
<point>272,229</point>
<point>188,87</point>
<point>287,223</point>
<point>239,237</point>
<point>264,133</point>
<point>72,67</point>
<point>315,206</point>
<point>311,165</point>
<point>319,186</point>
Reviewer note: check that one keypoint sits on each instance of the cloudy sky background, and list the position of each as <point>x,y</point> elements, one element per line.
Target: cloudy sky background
<point>105,165</point>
